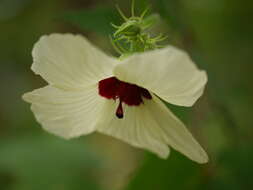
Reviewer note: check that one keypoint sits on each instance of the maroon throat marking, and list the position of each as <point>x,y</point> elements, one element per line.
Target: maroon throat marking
<point>130,94</point>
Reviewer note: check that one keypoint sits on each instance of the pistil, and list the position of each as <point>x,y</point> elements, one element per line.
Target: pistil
<point>119,111</point>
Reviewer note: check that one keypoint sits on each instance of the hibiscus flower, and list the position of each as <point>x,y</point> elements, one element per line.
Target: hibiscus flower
<point>90,91</point>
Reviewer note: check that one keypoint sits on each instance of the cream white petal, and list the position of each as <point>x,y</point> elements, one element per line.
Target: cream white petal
<point>168,72</point>
<point>66,113</point>
<point>70,61</point>
<point>176,134</point>
<point>136,128</point>
<point>151,126</point>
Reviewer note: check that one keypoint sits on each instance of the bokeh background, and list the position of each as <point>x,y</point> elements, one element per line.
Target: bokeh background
<point>218,34</point>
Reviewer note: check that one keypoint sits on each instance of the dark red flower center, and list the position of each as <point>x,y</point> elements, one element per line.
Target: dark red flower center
<point>130,94</point>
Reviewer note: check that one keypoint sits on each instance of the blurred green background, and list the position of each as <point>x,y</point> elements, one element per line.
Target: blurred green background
<point>219,36</point>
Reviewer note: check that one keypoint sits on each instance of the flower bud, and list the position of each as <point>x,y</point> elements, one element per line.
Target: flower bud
<point>130,28</point>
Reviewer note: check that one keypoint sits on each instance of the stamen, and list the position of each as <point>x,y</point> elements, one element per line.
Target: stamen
<point>119,111</point>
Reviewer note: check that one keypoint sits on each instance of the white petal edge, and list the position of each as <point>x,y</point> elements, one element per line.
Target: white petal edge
<point>66,113</point>
<point>70,61</point>
<point>135,128</point>
<point>167,72</point>
<point>151,126</point>
<point>176,134</point>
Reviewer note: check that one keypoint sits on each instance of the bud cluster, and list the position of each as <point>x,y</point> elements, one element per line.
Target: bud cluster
<point>132,36</point>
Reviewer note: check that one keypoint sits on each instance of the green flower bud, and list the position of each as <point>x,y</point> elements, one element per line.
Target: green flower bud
<point>132,35</point>
<point>130,28</point>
